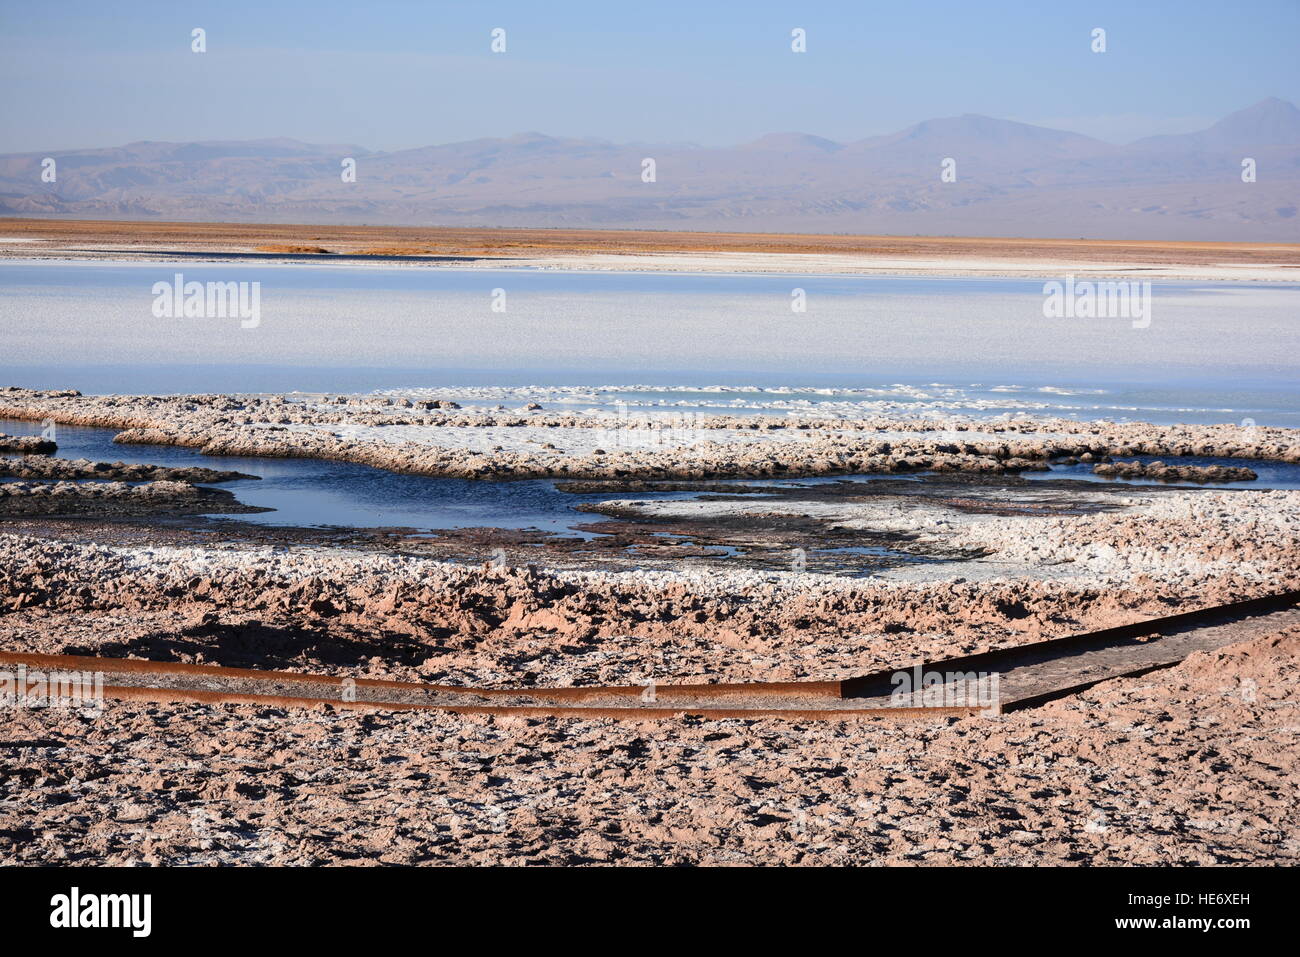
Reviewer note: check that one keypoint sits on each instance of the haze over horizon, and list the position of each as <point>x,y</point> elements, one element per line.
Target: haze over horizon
<point>396,76</point>
<point>1007,179</point>
<point>791,139</point>
<point>778,118</point>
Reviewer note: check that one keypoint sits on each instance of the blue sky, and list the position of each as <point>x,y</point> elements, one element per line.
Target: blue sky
<point>390,75</point>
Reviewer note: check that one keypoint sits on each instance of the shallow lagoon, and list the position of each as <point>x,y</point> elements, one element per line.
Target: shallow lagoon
<point>1214,352</point>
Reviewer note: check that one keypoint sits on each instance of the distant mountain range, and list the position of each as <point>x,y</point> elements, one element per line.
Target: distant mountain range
<point>1011,179</point>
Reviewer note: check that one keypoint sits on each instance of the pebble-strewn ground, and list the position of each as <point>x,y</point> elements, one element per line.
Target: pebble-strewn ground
<point>1194,765</point>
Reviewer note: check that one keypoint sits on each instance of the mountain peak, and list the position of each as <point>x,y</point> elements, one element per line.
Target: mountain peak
<point>974,136</point>
<point>792,143</point>
<point>1267,117</point>
<point>1270,122</point>
<point>531,136</point>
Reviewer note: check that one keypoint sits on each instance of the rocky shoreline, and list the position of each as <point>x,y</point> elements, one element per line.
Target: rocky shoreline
<point>116,499</point>
<point>26,445</point>
<point>1175,473</point>
<point>494,445</point>
<point>70,470</point>
<point>1040,576</point>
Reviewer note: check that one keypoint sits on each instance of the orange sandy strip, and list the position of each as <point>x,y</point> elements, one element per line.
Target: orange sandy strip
<point>522,243</point>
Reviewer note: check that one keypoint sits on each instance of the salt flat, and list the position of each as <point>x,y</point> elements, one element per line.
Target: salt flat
<point>557,326</point>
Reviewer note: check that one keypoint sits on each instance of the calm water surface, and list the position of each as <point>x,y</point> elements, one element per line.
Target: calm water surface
<point>1213,352</point>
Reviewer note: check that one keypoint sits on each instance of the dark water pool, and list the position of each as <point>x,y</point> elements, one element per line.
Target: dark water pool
<point>316,493</point>
<point>313,492</point>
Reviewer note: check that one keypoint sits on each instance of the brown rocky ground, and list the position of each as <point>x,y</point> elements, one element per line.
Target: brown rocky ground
<point>384,613</point>
<point>45,468</point>
<point>115,498</point>
<point>1175,473</point>
<point>26,445</point>
<point>1193,765</point>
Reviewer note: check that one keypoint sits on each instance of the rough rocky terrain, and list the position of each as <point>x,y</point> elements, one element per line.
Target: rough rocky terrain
<point>115,498</point>
<point>26,445</point>
<point>1041,575</point>
<point>1175,473</point>
<point>1192,765</point>
<point>44,467</point>
<point>532,443</point>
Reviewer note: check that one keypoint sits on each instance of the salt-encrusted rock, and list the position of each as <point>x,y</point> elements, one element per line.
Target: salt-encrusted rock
<point>1159,471</point>
<point>115,499</point>
<point>42,467</point>
<point>437,438</point>
<point>27,444</point>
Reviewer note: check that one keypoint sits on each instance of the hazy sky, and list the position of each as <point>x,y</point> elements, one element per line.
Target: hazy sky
<point>389,75</point>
